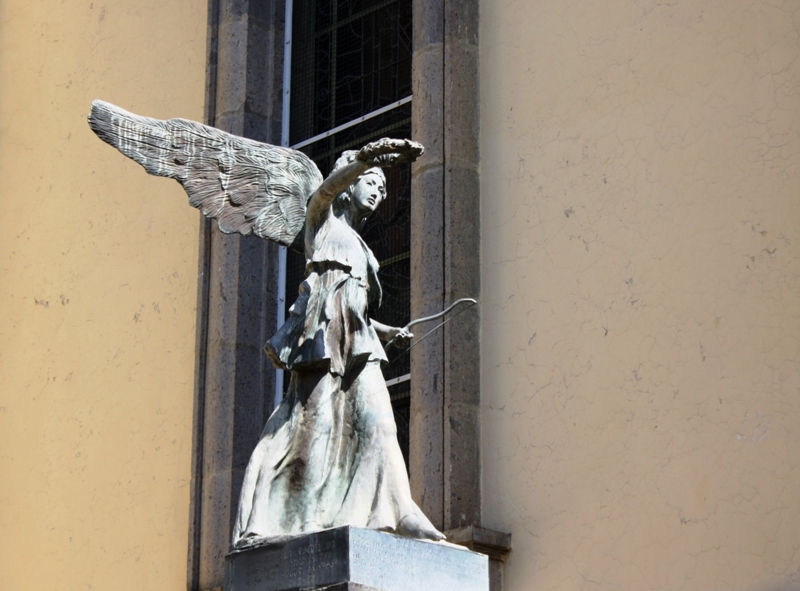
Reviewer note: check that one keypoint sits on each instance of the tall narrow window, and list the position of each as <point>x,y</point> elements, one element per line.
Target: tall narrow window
<point>351,84</point>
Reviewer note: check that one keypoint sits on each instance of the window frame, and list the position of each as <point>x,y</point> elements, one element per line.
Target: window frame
<point>237,300</point>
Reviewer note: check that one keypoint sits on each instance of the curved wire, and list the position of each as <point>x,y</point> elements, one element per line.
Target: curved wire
<point>471,302</point>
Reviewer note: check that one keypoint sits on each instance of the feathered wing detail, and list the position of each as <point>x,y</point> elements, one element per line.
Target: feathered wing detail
<point>247,186</point>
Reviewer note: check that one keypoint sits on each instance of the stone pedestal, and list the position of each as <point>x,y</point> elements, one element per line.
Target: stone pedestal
<point>355,559</point>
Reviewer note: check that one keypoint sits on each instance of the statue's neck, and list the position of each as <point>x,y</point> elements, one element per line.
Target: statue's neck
<point>352,219</point>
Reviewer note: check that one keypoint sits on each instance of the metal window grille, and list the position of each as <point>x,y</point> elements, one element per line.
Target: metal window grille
<point>351,84</point>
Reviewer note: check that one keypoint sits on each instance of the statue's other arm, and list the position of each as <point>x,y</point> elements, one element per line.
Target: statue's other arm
<point>387,333</point>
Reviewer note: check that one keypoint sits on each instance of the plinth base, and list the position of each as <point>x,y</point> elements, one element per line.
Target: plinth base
<point>355,559</point>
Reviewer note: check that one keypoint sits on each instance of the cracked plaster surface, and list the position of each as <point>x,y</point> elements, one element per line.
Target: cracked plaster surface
<point>641,285</point>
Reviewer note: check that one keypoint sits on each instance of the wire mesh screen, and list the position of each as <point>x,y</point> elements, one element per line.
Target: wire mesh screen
<point>350,58</point>
<point>387,232</point>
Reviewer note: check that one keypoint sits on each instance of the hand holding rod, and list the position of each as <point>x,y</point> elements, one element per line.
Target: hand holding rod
<point>470,301</point>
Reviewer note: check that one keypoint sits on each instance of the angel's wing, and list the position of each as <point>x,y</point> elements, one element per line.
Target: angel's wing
<point>247,186</point>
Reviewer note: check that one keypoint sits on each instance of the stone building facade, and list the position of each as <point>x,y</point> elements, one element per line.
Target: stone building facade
<point>614,181</point>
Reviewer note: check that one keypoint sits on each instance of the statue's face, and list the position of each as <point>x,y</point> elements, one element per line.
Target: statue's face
<point>368,193</point>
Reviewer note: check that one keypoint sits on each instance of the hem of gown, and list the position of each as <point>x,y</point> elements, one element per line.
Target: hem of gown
<point>252,541</point>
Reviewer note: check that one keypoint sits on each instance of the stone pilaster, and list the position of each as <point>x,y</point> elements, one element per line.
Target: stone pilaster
<point>445,264</point>
<point>238,280</point>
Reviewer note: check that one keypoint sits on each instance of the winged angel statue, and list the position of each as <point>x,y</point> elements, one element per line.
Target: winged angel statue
<point>328,455</point>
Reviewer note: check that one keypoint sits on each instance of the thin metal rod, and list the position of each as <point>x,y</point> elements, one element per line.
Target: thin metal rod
<point>400,380</point>
<point>349,124</point>
<point>287,72</point>
<point>437,327</point>
<point>471,302</point>
<point>285,114</point>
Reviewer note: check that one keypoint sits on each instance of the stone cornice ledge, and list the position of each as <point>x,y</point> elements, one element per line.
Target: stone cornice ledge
<point>495,544</point>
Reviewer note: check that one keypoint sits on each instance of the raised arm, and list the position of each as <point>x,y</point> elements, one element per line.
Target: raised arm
<point>382,153</point>
<point>387,333</point>
<point>337,181</point>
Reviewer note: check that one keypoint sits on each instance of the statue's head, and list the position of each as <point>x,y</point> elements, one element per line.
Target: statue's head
<point>366,194</point>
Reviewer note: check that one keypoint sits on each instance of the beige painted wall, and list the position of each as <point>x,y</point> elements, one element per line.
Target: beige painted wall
<point>641,292</point>
<point>98,269</point>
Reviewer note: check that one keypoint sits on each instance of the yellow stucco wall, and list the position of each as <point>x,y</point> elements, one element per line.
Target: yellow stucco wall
<point>98,276</point>
<point>641,292</point>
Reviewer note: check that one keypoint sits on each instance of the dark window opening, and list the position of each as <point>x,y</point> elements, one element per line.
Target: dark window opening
<point>349,59</point>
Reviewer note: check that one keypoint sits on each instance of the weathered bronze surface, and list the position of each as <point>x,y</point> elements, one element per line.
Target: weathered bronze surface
<point>328,456</point>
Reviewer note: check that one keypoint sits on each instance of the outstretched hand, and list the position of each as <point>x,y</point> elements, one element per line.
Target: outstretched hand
<point>396,336</point>
<point>401,337</point>
<point>388,152</point>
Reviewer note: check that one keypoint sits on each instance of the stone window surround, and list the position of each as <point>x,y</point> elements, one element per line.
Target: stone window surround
<point>234,381</point>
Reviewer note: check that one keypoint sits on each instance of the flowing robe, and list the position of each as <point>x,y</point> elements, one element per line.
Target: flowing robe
<point>328,455</point>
